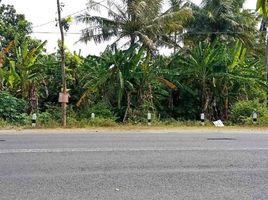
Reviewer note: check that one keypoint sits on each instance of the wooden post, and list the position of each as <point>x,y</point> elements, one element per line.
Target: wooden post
<point>62,53</point>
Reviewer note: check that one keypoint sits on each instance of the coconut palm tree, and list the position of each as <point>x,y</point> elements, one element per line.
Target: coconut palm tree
<point>223,19</point>
<point>137,21</point>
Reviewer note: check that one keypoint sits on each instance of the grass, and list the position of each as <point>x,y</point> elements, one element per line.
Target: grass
<point>109,123</point>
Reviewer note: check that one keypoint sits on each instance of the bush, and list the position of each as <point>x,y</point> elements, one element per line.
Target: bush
<point>12,109</point>
<point>100,122</point>
<point>54,112</point>
<point>3,123</point>
<point>72,122</point>
<point>241,112</point>
<point>84,123</point>
<point>101,110</point>
<point>46,119</point>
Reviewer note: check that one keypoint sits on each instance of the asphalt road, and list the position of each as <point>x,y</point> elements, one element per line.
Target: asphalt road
<point>143,166</point>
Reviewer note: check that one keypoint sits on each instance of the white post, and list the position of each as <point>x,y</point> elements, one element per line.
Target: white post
<point>92,115</point>
<point>202,119</point>
<point>34,117</point>
<point>149,118</point>
<point>254,117</point>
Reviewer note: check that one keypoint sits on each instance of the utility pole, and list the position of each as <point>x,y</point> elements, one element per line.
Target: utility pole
<point>266,59</point>
<point>63,97</point>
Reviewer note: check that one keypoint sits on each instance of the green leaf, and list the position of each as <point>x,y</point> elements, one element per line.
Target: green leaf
<point>12,75</point>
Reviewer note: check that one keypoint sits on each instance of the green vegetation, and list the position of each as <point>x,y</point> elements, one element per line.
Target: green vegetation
<point>217,66</point>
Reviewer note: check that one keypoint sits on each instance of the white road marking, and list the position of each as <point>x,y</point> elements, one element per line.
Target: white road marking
<point>70,150</point>
<point>136,171</point>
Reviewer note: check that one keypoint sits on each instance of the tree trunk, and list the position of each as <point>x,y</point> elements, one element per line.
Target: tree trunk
<point>132,40</point>
<point>170,100</point>
<point>226,102</point>
<point>226,105</point>
<point>1,85</point>
<point>205,98</point>
<point>175,43</point>
<point>128,106</point>
<point>32,98</point>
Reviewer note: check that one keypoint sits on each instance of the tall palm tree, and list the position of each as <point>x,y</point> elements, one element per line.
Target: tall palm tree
<point>138,21</point>
<point>222,18</point>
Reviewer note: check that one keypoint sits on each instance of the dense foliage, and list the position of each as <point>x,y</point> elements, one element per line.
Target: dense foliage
<point>217,66</point>
<point>11,108</point>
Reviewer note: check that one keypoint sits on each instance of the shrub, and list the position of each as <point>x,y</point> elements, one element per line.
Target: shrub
<point>101,110</point>
<point>100,122</point>
<point>54,112</point>
<point>241,112</point>
<point>72,122</point>
<point>46,119</point>
<point>3,123</point>
<point>12,109</point>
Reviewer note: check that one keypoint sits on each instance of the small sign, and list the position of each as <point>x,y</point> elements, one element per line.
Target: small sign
<point>218,123</point>
<point>63,97</point>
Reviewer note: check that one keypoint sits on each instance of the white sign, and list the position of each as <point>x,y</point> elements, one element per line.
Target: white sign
<point>218,123</point>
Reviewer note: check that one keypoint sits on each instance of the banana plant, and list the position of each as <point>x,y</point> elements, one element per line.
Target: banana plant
<point>241,72</point>
<point>219,70</point>
<point>3,56</point>
<point>123,78</point>
<point>199,66</point>
<point>24,74</point>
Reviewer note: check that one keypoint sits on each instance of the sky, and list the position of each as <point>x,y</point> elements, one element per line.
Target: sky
<point>40,12</point>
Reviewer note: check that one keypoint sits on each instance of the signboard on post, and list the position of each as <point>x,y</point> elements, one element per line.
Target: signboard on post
<point>63,97</point>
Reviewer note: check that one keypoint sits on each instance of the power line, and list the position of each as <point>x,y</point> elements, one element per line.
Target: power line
<point>190,33</point>
<point>53,21</point>
<point>44,24</point>
<point>46,32</point>
<point>221,32</point>
<point>72,14</point>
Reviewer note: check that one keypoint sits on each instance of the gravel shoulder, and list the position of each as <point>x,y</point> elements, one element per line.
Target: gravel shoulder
<point>263,130</point>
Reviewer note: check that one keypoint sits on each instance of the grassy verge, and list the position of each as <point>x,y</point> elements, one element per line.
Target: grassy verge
<point>101,123</point>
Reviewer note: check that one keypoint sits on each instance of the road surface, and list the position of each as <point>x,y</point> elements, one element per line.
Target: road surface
<point>142,166</point>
